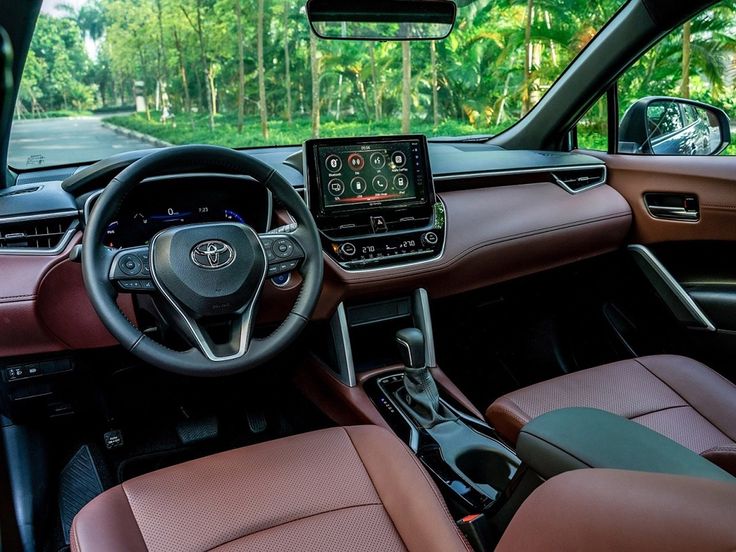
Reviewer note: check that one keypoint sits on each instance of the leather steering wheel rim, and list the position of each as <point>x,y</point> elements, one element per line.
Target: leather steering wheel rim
<point>97,259</point>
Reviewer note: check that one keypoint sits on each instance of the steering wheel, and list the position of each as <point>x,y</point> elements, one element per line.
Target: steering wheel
<point>204,273</point>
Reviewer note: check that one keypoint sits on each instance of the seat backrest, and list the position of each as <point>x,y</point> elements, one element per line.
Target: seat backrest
<point>615,510</point>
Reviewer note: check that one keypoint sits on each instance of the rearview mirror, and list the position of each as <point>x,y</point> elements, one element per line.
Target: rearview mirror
<point>674,126</point>
<point>382,19</point>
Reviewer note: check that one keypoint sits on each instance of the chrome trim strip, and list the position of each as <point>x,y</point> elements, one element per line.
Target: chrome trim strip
<point>88,204</point>
<point>40,216</point>
<point>246,317</point>
<point>340,332</point>
<point>567,188</point>
<point>674,286</point>
<point>421,305</point>
<point>472,176</point>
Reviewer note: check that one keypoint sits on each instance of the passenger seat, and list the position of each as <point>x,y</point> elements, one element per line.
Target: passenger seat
<point>676,396</point>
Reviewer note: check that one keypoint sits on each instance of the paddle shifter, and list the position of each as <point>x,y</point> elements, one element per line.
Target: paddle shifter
<point>422,400</point>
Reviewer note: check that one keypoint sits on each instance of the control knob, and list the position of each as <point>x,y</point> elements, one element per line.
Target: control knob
<point>347,250</point>
<point>430,238</point>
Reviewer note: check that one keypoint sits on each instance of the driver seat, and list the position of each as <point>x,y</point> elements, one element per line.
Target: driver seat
<point>353,488</point>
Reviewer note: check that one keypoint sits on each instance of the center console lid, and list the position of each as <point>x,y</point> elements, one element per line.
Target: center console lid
<point>575,438</point>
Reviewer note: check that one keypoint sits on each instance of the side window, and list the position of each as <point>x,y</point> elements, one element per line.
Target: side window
<point>678,97</point>
<point>592,129</point>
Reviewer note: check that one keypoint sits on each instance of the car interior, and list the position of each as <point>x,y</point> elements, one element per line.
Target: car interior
<point>380,342</point>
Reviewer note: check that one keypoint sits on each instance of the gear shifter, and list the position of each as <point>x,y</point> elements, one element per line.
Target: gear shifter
<point>422,399</point>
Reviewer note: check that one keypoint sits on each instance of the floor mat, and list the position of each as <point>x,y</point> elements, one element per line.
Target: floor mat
<point>79,483</point>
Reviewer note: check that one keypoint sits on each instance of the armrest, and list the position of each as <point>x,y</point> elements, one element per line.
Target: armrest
<point>624,511</point>
<point>575,438</point>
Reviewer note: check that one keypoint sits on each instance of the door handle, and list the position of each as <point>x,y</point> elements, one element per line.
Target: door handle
<point>683,207</point>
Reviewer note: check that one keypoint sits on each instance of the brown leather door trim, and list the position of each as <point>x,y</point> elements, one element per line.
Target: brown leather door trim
<point>711,179</point>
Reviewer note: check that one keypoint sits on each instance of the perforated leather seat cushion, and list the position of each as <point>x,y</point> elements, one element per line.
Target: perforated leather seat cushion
<point>356,488</point>
<point>673,395</point>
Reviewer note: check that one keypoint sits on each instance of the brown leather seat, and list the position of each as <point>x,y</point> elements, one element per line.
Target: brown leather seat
<point>624,511</point>
<point>354,488</point>
<point>673,395</point>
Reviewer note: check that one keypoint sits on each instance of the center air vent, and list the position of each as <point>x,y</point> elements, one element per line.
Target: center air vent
<point>43,235</point>
<point>576,180</point>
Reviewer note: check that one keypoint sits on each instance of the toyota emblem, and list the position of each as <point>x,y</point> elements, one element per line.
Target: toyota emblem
<point>213,254</point>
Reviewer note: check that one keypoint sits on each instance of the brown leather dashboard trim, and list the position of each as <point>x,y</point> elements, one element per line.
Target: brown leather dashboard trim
<point>496,234</point>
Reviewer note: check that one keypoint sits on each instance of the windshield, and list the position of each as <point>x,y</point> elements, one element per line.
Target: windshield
<point>106,76</point>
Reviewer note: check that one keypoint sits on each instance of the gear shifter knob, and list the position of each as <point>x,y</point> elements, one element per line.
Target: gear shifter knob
<point>411,347</point>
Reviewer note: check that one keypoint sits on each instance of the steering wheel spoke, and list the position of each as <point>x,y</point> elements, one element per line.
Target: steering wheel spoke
<point>221,339</point>
<point>130,270</point>
<point>284,252</point>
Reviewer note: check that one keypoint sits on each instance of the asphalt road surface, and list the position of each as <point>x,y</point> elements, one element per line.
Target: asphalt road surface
<point>48,142</point>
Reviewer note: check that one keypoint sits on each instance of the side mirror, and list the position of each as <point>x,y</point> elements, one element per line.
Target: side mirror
<point>382,19</point>
<point>674,126</point>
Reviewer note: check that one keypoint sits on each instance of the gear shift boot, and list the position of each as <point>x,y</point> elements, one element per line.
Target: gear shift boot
<point>420,396</point>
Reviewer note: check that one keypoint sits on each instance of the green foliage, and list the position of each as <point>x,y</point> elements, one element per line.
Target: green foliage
<point>183,55</point>
<point>57,67</point>
<point>282,133</point>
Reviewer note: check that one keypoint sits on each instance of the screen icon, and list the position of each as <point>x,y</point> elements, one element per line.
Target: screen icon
<point>356,162</point>
<point>380,184</point>
<point>333,163</point>
<point>336,187</point>
<point>401,182</point>
<point>378,160</point>
<point>358,186</point>
<point>398,158</point>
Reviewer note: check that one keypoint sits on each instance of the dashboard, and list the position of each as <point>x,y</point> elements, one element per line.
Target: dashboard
<point>497,215</point>
<point>160,203</point>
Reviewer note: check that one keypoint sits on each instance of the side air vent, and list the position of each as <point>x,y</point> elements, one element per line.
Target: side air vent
<point>576,180</point>
<point>37,235</point>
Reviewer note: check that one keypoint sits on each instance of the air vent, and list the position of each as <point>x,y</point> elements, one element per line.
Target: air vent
<point>41,235</point>
<point>576,180</point>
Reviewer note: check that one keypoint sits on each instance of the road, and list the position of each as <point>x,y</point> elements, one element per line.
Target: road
<point>49,142</point>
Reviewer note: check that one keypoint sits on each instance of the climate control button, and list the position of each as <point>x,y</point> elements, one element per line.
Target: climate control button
<point>430,238</point>
<point>347,249</point>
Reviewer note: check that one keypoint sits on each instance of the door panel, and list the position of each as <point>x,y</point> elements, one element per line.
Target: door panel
<point>710,180</point>
<point>690,234</point>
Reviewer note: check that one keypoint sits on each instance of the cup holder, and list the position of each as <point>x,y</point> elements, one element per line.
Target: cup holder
<point>486,467</point>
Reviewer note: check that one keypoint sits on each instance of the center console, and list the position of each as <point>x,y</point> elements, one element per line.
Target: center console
<point>374,201</point>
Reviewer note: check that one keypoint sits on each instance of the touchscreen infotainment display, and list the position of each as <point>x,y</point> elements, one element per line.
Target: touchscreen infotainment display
<point>356,174</point>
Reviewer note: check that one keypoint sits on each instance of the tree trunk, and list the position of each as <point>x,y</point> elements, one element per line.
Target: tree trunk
<point>314,61</point>
<point>406,87</point>
<point>374,78</point>
<point>435,84</point>
<point>163,69</point>
<point>287,62</point>
<point>339,97</point>
<point>183,72</point>
<point>526,92</point>
<point>204,68</point>
<point>241,64</point>
<point>686,49</point>
<point>262,107</point>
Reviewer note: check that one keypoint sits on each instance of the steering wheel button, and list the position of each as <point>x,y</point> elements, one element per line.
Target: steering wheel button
<point>283,248</point>
<point>130,265</point>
